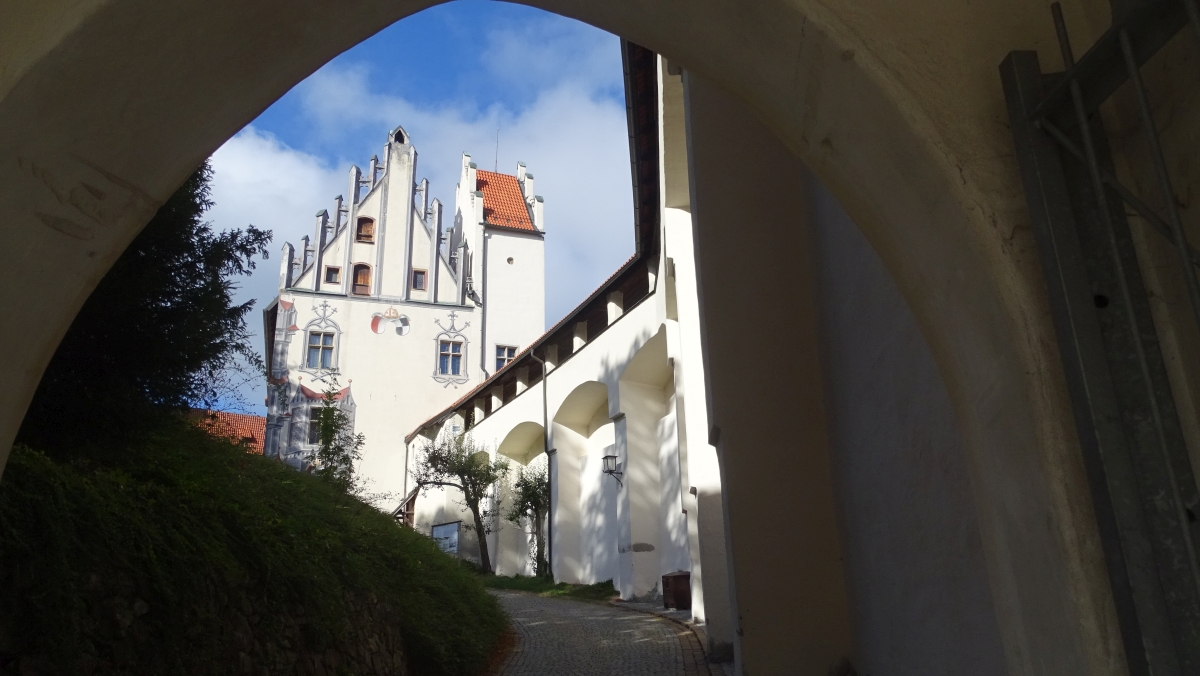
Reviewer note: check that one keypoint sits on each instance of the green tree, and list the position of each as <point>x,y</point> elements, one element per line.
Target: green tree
<point>456,461</point>
<point>160,333</point>
<point>339,447</point>
<point>531,500</point>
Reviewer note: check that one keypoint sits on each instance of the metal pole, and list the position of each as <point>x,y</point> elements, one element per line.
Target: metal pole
<point>1181,245</point>
<point>1164,179</point>
<point>549,472</point>
<point>1106,219</point>
<point>1131,199</point>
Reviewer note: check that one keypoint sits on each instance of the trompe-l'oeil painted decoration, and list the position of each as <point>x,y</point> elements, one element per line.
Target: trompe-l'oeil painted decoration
<point>390,319</point>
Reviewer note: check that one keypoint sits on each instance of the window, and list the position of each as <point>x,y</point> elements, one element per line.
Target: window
<point>365,232</point>
<point>314,426</point>
<point>362,279</point>
<point>320,350</point>
<point>333,275</point>
<point>419,280</point>
<point>504,354</point>
<point>449,357</point>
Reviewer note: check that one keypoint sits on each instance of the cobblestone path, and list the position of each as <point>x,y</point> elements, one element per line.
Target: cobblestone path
<point>571,638</point>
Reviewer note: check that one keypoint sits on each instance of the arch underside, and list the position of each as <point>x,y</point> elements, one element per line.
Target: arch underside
<point>106,108</point>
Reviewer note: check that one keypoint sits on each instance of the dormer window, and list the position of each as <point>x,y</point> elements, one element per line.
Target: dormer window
<point>365,232</point>
<point>362,280</point>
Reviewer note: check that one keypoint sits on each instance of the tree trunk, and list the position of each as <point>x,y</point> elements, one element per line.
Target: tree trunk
<point>485,561</point>
<point>539,541</point>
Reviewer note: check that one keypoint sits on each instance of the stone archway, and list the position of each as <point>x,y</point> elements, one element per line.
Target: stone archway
<point>105,108</point>
<point>523,445</point>
<point>585,507</point>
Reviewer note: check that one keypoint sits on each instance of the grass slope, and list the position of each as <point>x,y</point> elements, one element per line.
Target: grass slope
<point>184,522</point>
<point>542,586</point>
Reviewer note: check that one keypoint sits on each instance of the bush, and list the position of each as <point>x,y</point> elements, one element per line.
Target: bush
<point>190,556</point>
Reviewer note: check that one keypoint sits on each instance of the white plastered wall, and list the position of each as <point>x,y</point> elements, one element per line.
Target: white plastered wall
<point>514,293</point>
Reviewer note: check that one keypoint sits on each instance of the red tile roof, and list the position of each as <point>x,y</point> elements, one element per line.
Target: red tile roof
<point>503,203</point>
<point>239,427</point>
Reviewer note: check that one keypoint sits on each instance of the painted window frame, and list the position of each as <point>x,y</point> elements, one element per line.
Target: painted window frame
<point>448,354</point>
<point>453,333</point>
<point>322,348</point>
<point>314,425</point>
<point>334,271</point>
<point>424,285</point>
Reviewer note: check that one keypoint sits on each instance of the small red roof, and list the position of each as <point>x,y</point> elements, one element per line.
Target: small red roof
<point>312,394</point>
<point>238,427</point>
<point>503,203</point>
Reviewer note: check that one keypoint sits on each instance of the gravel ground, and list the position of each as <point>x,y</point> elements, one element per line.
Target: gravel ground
<point>559,637</point>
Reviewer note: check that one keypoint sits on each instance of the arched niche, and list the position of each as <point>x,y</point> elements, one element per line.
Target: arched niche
<point>523,443</point>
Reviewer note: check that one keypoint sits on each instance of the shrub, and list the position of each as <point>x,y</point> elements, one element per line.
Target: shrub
<point>190,556</point>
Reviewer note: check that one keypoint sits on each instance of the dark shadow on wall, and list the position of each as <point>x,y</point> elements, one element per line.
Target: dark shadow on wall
<point>914,558</point>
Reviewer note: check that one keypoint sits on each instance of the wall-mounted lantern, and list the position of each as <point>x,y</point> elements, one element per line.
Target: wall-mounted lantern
<point>610,468</point>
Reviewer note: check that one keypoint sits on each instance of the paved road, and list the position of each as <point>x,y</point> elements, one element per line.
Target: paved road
<point>572,638</point>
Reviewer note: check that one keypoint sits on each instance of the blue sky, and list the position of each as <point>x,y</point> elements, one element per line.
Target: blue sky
<point>450,76</point>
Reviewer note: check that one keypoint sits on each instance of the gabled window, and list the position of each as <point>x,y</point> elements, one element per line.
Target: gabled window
<point>362,279</point>
<point>449,357</point>
<point>418,281</point>
<point>504,354</point>
<point>365,232</point>
<point>333,274</point>
<point>320,350</point>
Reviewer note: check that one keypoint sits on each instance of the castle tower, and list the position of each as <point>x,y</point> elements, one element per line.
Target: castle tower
<point>397,314</point>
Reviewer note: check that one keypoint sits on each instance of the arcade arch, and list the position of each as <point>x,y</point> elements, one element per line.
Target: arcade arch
<point>524,445</point>
<point>585,518</point>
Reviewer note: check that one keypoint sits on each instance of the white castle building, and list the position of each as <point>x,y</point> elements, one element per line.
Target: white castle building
<point>613,401</point>
<point>398,312</point>
<point>428,334</point>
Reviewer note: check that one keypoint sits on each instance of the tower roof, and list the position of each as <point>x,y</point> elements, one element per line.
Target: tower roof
<point>503,201</point>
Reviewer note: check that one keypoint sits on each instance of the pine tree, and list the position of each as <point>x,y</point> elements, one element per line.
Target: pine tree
<point>159,334</point>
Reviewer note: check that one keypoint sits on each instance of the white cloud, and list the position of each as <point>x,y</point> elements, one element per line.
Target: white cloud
<point>545,54</point>
<point>570,132</point>
<point>257,180</point>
